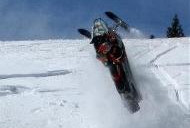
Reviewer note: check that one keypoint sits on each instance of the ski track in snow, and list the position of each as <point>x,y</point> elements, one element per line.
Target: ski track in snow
<point>83,94</point>
<point>163,53</point>
<point>175,64</point>
<point>46,74</point>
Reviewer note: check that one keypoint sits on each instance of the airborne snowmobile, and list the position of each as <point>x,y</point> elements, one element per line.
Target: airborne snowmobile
<point>111,52</point>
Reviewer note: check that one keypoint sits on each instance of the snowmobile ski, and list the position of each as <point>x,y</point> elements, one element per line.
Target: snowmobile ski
<point>85,33</point>
<point>117,20</point>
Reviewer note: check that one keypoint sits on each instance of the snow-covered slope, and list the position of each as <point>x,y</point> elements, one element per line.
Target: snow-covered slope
<point>60,84</point>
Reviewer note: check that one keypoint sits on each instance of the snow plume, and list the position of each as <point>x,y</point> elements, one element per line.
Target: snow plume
<point>101,95</point>
<point>133,34</point>
<point>136,33</point>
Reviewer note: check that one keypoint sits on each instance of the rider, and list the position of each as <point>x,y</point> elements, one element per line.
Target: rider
<point>110,51</point>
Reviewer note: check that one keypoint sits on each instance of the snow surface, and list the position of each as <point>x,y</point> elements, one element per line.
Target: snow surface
<point>60,84</point>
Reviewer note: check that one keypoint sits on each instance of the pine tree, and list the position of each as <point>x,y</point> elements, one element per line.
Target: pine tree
<point>152,36</point>
<point>175,30</point>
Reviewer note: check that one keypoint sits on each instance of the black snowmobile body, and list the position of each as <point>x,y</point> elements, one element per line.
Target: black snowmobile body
<point>126,86</point>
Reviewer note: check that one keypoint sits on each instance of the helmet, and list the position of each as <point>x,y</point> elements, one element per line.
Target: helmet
<point>100,27</point>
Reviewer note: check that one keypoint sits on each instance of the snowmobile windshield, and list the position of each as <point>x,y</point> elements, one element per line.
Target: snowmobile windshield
<point>99,28</point>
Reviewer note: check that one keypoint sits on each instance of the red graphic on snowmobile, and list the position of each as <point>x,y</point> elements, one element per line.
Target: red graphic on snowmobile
<point>110,50</point>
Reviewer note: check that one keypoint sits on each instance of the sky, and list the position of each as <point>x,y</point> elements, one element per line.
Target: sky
<point>55,19</point>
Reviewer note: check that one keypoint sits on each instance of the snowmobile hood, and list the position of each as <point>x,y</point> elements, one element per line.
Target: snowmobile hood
<point>99,27</point>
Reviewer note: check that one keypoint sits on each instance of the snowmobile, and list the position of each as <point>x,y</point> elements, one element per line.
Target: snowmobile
<point>111,52</point>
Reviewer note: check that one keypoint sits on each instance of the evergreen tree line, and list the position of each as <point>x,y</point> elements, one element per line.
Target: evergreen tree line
<point>175,30</point>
